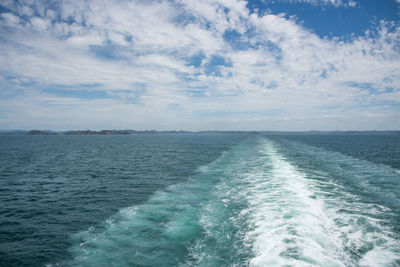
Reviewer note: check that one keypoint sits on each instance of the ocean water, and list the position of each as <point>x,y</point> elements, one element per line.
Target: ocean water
<point>200,200</point>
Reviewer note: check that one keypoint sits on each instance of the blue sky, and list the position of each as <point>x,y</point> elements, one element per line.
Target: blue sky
<point>200,65</point>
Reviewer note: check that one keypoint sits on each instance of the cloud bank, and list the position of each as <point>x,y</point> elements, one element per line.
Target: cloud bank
<point>191,65</point>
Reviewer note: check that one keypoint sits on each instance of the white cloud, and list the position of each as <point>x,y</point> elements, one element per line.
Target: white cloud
<point>336,3</point>
<point>10,19</point>
<point>138,53</point>
<point>40,24</point>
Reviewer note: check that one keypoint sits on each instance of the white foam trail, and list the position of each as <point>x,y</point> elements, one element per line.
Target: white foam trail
<point>300,221</point>
<point>290,227</point>
<point>265,211</point>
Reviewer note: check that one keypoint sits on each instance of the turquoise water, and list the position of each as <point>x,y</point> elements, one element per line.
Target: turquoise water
<point>200,200</point>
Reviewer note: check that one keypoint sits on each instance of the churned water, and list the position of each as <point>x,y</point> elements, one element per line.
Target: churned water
<point>200,200</point>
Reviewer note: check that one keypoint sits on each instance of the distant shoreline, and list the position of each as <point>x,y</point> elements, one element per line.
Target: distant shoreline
<point>130,132</point>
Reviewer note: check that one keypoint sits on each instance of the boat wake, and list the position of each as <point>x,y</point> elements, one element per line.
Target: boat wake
<point>252,207</point>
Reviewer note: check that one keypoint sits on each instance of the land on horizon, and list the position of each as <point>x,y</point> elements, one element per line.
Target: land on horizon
<point>130,131</point>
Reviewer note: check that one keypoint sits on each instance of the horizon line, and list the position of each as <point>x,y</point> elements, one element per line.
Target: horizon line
<point>190,131</point>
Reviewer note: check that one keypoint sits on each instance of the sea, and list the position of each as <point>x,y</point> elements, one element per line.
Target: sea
<point>204,199</point>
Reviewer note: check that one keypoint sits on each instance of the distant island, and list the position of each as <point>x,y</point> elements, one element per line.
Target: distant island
<point>128,132</point>
<point>108,132</point>
<point>102,132</point>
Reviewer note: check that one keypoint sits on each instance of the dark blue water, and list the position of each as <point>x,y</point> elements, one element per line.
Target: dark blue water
<point>380,147</point>
<point>200,200</point>
<point>54,186</point>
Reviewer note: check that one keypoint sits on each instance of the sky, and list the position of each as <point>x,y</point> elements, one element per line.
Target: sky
<point>280,65</point>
